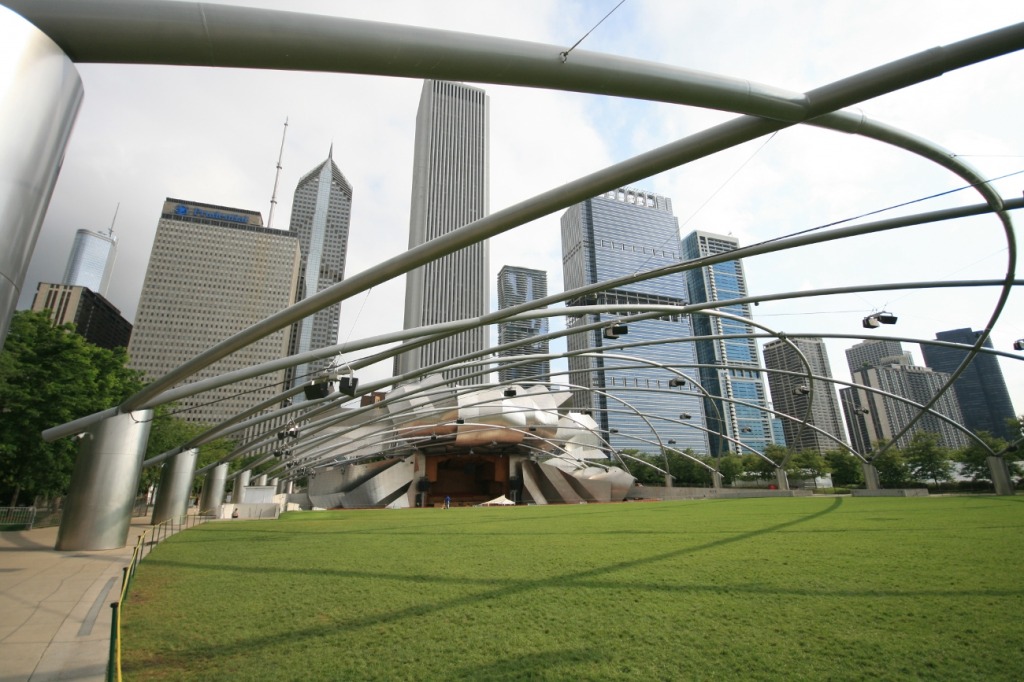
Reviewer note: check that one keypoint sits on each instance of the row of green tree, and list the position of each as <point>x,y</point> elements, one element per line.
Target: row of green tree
<point>922,461</point>
<point>50,375</point>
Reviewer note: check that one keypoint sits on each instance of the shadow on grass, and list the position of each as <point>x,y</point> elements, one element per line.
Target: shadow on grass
<point>597,576</point>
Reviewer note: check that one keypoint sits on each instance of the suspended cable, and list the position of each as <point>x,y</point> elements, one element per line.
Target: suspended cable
<point>714,194</point>
<point>729,179</point>
<point>565,55</point>
<point>889,208</point>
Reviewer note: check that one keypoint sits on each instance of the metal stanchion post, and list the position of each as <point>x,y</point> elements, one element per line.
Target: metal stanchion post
<point>114,662</point>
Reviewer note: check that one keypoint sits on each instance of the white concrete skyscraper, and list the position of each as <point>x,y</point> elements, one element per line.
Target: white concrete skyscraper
<point>213,272</point>
<point>449,190</point>
<point>321,212</point>
<point>871,417</point>
<point>91,260</point>
<point>789,398</point>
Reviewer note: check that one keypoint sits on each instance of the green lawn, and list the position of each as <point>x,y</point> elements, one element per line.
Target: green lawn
<point>786,588</point>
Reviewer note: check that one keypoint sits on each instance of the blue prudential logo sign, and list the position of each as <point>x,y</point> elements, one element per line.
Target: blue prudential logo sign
<point>183,210</point>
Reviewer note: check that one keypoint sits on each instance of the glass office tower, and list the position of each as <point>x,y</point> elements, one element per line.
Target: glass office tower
<point>620,234</point>
<point>518,285</point>
<point>981,389</point>
<point>321,212</point>
<point>91,261</point>
<point>730,367</point>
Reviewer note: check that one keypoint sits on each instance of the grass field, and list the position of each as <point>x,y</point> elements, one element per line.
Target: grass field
<point>783,588</point>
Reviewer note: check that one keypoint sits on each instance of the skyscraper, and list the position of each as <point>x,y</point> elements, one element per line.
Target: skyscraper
<point>872,352</point>
<point>980,389</point>
<point>213,272</point>
<point>789,398</point>
<point>871,417</point>
<point>624,232</point>
<point>449,190</point>
<point>91,261</point>
<point>730,366</point>
<point>94,317</point>
<point>321,212</point>
<point>518,285</point>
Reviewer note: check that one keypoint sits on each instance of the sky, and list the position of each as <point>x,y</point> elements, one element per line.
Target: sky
<point>145,133</point>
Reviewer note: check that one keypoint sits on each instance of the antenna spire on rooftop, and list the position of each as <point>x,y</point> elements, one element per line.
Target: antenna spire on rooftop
<point>110,230</point>
<point>277,176</point>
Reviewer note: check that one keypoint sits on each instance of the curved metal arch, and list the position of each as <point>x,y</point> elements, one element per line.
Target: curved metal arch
<point>223,429</point>
<point>218,431</point>
<point>170,395</point>
<point>653,363</point>
<point>814,377</point>
<point>959,51</point>
<point>897,75</point>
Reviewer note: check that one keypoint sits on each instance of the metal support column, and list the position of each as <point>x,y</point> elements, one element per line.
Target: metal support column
<point>212,496</point>
<point>40,92</point>
<point>175,486</point>
<point>782,479</point>
<point>98,511</point>
<point>261,480</point>
<point>870,476</point>
<point>241,481</point>
<point>716,479</point>
<point>1000,472</point>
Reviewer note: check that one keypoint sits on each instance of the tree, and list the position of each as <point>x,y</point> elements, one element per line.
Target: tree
<point>926,459</point>
<point>168,432</point>
<point>685,471</point>
<point>808,464</point>
<point>846,470</point>
<point>973,459</point>
<point>730,467</point>
<point>763,468</point>
<point>892,470</point>
<point>48,376</point>
<point>644,474</point>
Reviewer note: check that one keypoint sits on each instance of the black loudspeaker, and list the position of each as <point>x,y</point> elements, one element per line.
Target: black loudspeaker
<point>317,391</point>
<point>347,385</point>
<point>615,331</point>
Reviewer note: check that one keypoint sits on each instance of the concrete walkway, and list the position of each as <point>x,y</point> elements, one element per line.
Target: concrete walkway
<point>55,606</point>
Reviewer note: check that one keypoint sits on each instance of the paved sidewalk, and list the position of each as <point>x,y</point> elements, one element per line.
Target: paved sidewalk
<point>55,606</point>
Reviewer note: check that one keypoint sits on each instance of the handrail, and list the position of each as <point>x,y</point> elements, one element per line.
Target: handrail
<point>158,532</point>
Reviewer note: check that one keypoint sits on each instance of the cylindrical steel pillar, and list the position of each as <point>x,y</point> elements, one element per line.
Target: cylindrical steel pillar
<point>274,482</point>
<point>781,479</point>
<point>98,511</point>
<point>1000,473</point>
<point>241,481</point>
<point>175,486</point>
<point>40,92</point>
<point>871,481</point>
<point>261,480</point>
<point>289,487</point>
<point>213,489</point>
